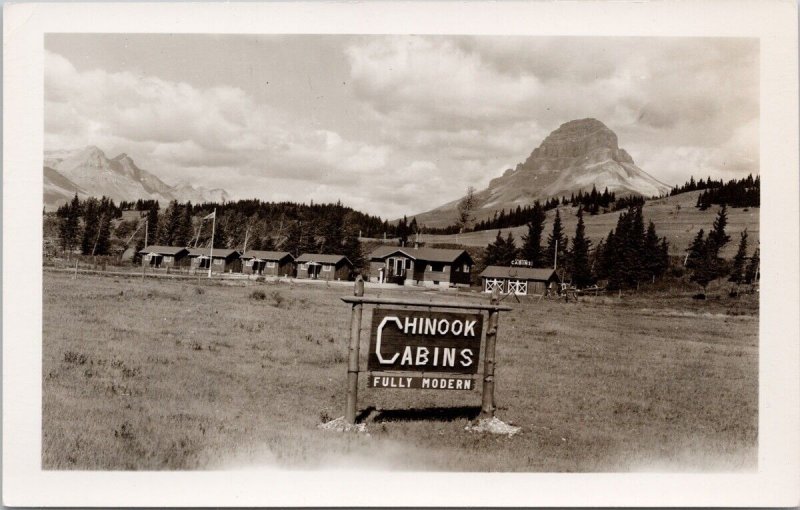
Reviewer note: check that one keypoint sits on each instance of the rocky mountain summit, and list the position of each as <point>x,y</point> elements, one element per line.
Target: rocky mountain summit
<point>89,172</point>
<point>575,157</point>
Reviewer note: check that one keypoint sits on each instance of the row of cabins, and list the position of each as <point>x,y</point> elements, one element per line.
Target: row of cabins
<point>434,267</point>
<point>267,263</point>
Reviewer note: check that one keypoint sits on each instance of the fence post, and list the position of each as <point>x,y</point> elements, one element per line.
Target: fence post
<point>487,403</point>
<point>353,348</point>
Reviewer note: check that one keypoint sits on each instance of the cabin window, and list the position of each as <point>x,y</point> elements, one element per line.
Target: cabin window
<point>408,263</point>
<point>249,263</point>
<point>327,267</point>
<point>270,263</point>
<point>304,266</point>
<point>435,267</point>
<point>218,262</point>
<point>167,258</point>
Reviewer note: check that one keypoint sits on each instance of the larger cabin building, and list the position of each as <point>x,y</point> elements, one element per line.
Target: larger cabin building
<point>420,266</point>
<point>221,260</point>
<point>322,266</point>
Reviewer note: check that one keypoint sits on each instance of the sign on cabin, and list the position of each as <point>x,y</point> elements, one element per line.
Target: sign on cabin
<point>431,344</point>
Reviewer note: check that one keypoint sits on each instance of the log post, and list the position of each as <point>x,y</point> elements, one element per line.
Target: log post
<point>353,351</point>
<point>487,404</point>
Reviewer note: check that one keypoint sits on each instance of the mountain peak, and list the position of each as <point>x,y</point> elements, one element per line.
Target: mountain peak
<point>91,173</point>
<point>576,156</point>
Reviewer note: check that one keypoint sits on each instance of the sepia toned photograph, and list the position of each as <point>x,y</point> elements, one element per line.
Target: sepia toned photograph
<point>208,200</point>
<point>322,254</point>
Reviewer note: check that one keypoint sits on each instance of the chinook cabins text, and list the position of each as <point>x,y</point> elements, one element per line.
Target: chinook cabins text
<point>268,263</point>
<point>321,266</point>
<point>224,260</point>
<point>421,266</point>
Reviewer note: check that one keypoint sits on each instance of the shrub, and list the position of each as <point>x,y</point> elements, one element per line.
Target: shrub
<point>277,298</point>
<point>258,295</point>
<point>75,357</point>
<point>199,291</point>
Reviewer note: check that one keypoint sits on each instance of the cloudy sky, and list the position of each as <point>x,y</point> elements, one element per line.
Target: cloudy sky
<point>394,125</point>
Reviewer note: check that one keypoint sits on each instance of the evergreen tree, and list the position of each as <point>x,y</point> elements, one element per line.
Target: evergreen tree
<point>152,224</point>
<point>751,273</point>
<point>501,252</point>
<point>705,269</point>
<point>532,242</point>
<point>663,257</point>
<point>102,243</point>
<point>69,224</point>
<point>738,267</point>
<point>509,251</point>
<point>351,248</point>
<point>402,231</point>
<point>556,238</point>
<point>581,272</point>
<point>717,238</point>
<point>90,225</point>
<point>696,250</point>
<point>652,252</point>
<point>186,230</point>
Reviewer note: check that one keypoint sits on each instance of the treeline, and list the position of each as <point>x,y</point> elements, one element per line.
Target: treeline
<point>629,255</point>
<point>86,225</point>
<point>744,192</point>
<point>592,202</point>
<point>251,224</point>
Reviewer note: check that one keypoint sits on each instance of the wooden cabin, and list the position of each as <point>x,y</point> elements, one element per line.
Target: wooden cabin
<point>420,266</point>
<point>518,280</point>
<point>321,266</point>
<point>163,256</point>
<point>268,263</point>
<point>224,260</point>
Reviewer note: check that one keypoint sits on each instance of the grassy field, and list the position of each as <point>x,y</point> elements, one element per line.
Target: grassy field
<point>170,374</point>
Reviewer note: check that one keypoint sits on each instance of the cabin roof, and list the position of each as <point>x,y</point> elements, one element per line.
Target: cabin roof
<point>322,258</point>
<point>519,273</point>
<point>222,253</point>
<point>423,253</point>
<point>266,255</point>
<point>163,250</point>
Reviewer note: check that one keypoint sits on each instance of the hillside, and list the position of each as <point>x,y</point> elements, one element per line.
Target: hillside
<point>575,157</point>
<point>676,217</point>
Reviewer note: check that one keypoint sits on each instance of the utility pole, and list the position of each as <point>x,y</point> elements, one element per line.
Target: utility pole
<point>211,250</point>
<point>555,255</point>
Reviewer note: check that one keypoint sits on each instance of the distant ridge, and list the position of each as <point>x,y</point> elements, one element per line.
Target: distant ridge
<point>89,172</point>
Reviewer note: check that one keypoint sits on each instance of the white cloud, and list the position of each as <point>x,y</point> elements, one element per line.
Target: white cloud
<point>417,118</point>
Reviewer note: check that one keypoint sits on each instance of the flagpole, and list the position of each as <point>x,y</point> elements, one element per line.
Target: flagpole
<point>211,251</point>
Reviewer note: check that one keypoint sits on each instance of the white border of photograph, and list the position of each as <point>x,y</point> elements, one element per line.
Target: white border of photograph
<point>774,484</point>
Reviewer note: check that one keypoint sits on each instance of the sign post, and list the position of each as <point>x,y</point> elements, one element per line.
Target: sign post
<point>422,349</point>
<point>487,402</point>
<point>353,352</point>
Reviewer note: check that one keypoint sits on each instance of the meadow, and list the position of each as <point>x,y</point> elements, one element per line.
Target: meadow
<point>183,374</point>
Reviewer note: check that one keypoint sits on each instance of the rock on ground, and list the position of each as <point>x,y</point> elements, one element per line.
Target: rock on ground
<point>493,426</point>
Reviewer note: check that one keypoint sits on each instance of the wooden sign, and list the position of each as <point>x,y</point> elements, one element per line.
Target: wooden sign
<point>423,341</point>
<point>422,349</point>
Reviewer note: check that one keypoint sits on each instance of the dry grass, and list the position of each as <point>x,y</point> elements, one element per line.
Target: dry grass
<point>165,374</point>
